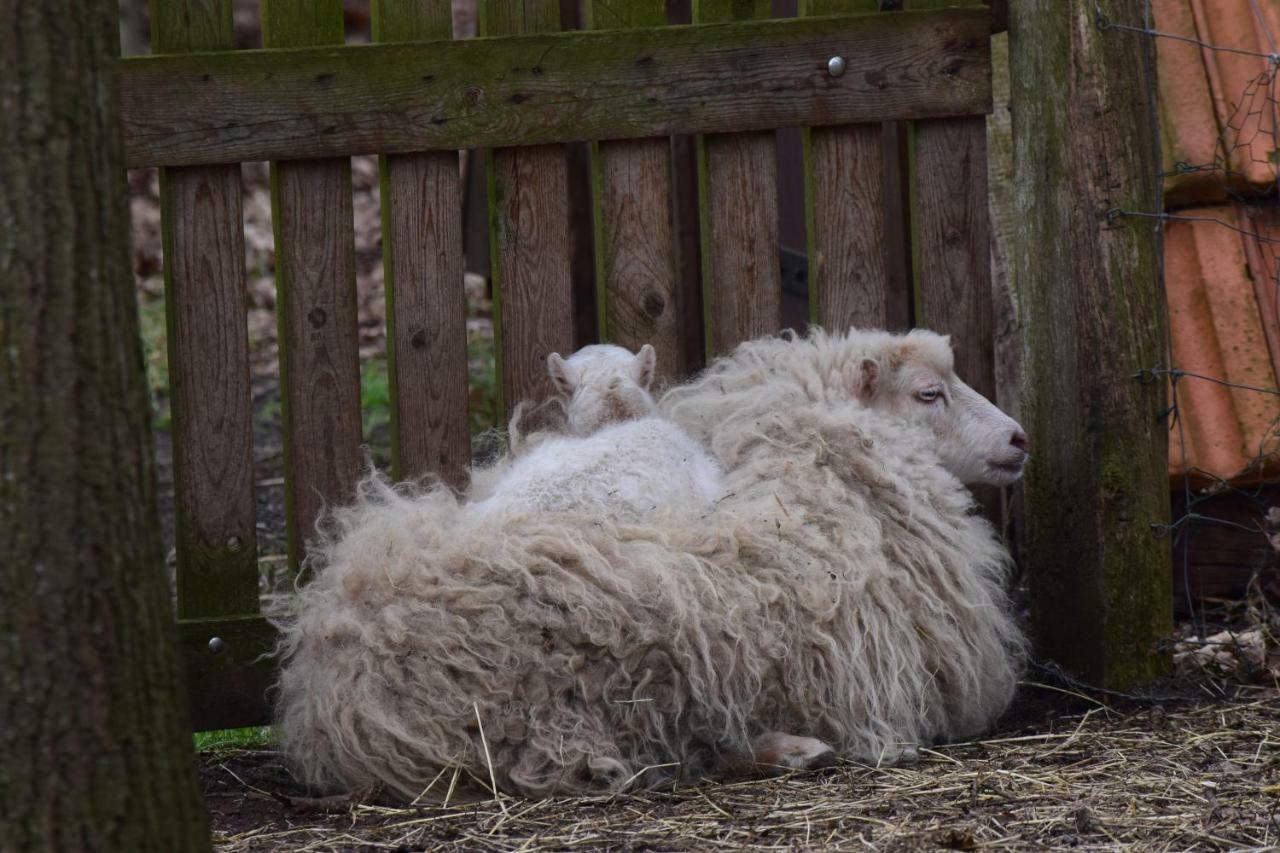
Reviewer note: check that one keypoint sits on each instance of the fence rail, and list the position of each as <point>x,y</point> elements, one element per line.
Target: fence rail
<point>188,109</point>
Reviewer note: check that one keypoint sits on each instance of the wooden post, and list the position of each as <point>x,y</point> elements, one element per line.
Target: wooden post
<point>423,263</point>
<point>636,263</point>
<point>738,205</point>
<point>312,216</point>
<point>529,233</point>
<point>1089,285</point>
<point>845,209</point>
<point>215,510</point>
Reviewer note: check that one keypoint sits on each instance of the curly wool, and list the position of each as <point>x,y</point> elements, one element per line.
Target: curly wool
<point>842,589</point>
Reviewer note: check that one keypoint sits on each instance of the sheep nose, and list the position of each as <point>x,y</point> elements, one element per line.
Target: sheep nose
<point>1020,441</point>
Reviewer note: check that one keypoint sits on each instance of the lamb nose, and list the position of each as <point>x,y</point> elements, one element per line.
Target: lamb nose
<point>1020,441</point>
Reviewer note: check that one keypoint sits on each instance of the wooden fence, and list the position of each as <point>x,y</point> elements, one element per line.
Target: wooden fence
<point>627,83</point>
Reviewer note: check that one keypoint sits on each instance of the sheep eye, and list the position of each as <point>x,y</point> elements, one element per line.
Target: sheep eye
<point>929,395</point>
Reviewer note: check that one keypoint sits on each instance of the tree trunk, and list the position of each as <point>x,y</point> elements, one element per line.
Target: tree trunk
<point>95,752</point>
<point>1091,305</point>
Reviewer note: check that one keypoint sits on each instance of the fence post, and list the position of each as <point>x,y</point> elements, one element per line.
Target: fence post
<point>636,265</point>
<point>529,233</point>
<point>422,250</point>
<point>202,227</point>
<point>738,210</point>
<point>1097,493</point>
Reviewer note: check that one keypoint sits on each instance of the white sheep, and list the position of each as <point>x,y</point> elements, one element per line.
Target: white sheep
<point>911,376</point>
<point>843,597</point>
<point>604,384</point>
<point>627,470</point>
<point>620,457</point>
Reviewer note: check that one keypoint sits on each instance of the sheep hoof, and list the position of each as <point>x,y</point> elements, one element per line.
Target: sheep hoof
<point>776,752</point>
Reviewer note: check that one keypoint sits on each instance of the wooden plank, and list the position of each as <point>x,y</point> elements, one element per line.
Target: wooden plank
<point>899,257</point>
<point>738,210</point>
<point>635,239</point>
<point>529,232</point>
<point>228,677</point>
<point>422,255</point>
<point>845,212</point>
<point>545,88</point>
<point>953,242</point>
<point>203,235</point>
<point>1092,312</point>
<point>311,208</point>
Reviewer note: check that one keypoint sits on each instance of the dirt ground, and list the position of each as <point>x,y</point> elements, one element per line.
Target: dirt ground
<point>1197,769</point>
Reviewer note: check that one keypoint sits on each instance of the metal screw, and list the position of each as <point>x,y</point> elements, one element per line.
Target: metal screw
<point>217,645</point>
<point>835,66</point>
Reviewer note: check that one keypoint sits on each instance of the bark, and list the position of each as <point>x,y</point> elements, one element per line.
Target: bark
<point>1092,315</point>
<point>95,751</point>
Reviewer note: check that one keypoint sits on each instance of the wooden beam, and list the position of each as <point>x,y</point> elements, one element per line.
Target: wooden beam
<point>312,217</point>
<point>228,669</point>
<point>952,240</point>
<point>202,228</point>
<point>553,87</point>
<point>1092,313</point>
<point>635,239</point>
<point>738,209</point>
<point>423,266</point>
<point>845,214</point>
<point>529,231</point>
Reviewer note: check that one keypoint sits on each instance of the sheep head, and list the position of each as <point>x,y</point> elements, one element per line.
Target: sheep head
<point>914,378</point>
<point>603,384</point>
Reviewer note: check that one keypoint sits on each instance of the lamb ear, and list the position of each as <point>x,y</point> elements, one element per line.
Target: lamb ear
<point>645,366</point>
<point>869,379</point>
<point>563,376</point>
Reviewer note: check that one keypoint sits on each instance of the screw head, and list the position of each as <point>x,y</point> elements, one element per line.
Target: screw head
<point>217,645</point>
<point>835,66</point>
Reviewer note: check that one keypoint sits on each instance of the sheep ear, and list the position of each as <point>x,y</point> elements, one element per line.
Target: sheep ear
<point>563,376</point>
<point>869,376</point>
<point>646,365</point>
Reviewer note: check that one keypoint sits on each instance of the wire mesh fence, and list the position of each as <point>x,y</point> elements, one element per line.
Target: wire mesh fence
<point>1218,212</point>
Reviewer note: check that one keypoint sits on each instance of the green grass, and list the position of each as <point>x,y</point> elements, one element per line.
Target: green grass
<point>155,353</point>
<point>482,397</point>
<point>256,737</point>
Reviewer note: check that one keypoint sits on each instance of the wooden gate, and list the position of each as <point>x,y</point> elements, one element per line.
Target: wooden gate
<point>197,109</point>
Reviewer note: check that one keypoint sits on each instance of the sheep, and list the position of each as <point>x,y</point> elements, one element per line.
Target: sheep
<point>842,598</point>
<point>603,384</point>
<point>628,470</point>
<point>619,457</point>
<point>911,375</point>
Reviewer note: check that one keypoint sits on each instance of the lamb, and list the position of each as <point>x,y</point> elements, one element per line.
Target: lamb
<point>628,470</point>
<point>604,384</point>
<point>843,597</point>
<point>620,457</point>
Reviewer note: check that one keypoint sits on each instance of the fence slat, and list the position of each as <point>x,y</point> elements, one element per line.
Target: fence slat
<point>738,201</point>
<point>529,231</point>
<point>845,211</point>
<point>311,208</point>
<point>203,235</point>
<point>953,243</point>
<point>635,242</point>
<point>423,263</point>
